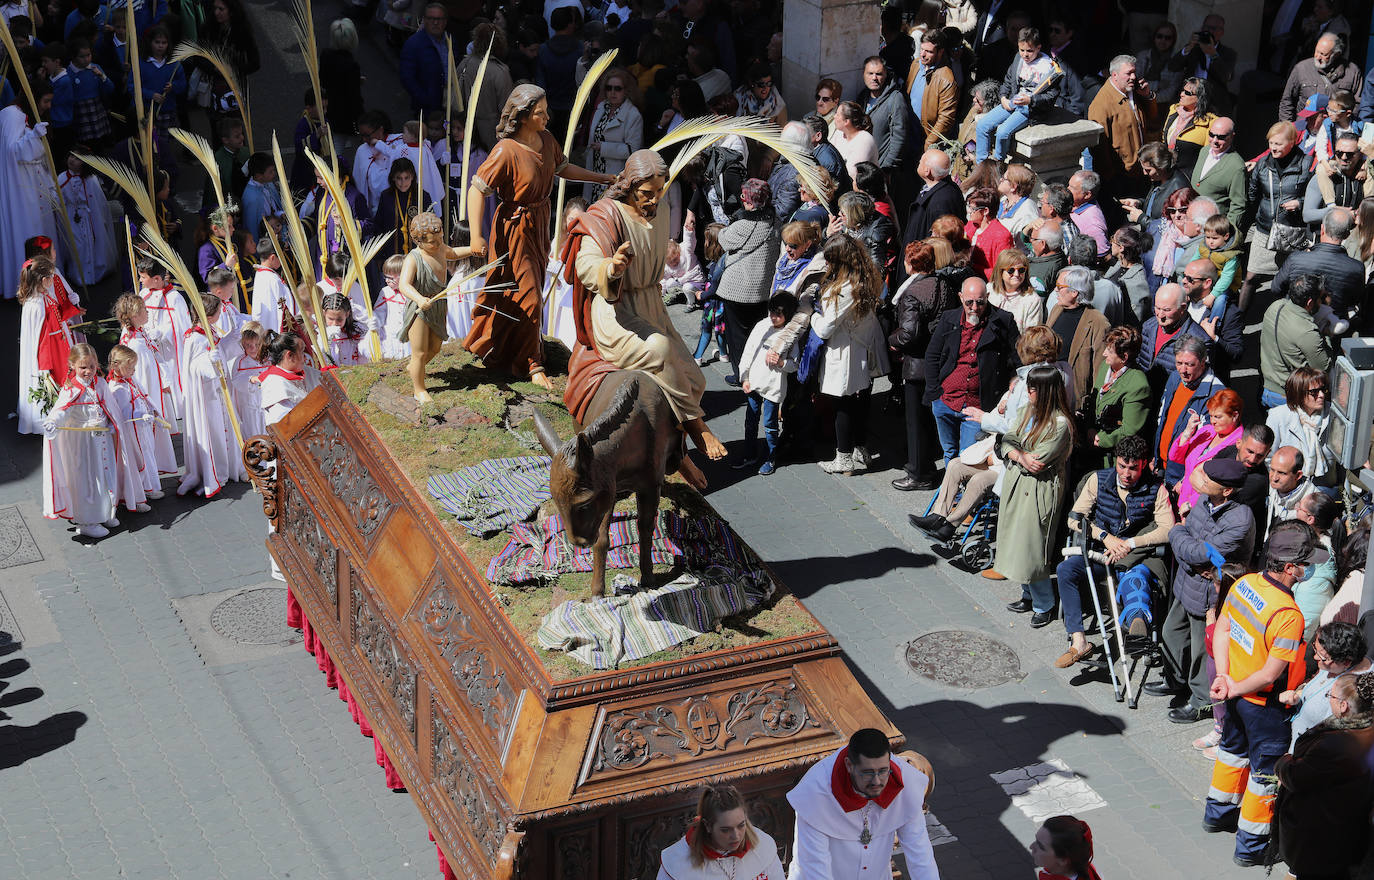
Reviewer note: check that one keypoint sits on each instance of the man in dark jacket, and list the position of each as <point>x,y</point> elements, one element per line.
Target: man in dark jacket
<point>1344,274</point>
<point>825,153</point>
<point>424,62</point>
<point>1160,334</point>
<point>939,196</point>
<point>1225,334</point>
<point>969,363</point>
<point>1218,525</point>
<point>558,66</point>
<point>1187,391</point>
<point>887,111</point>
<point>1324,799</point>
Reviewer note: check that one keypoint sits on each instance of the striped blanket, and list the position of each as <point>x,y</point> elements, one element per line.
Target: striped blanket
<point>490,496</point>
<point>540,551</point>
<point>724,579</point>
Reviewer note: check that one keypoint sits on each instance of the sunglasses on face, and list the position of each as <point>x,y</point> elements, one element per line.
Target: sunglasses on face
<point>1216,136</point>
<point>973,303</point>
<point>1189,94</point>
<point>1015,270</point>
<point>614,88</point>
<point>1317,392</point>
<point>1174,212</point>
<point>1347,154</point>
<point>763,83</point>
<point>826,98</point>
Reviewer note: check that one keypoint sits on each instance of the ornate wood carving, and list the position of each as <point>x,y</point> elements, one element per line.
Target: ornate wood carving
<point>374,640</point>
<point>574,854</point>
<point>298,523</point>
<point>695,724</point>
<point>367,504</point>
<point>455,772</point>
<point>260,457</point>
<point>476,671</point>
<point>646,836</point>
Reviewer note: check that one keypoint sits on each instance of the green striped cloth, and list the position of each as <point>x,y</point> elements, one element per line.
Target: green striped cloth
<point>605,632</point>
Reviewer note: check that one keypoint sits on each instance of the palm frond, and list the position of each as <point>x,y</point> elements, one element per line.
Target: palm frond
<point>371,248</point>
<point>705,131</point>
<point>300,246</point>
<point>467,127</point>
<point>126,179</point>
<point>200,148</point>
<point>188,49</point>
<point>453,86</point>
<point>584,95</point>
<point>352,236</point>
<point>172,260</point>
<point>304,16</point>
<point>131,33</point>
<point>457,281</point>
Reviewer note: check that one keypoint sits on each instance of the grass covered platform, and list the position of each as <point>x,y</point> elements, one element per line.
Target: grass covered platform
<point>469,421</point>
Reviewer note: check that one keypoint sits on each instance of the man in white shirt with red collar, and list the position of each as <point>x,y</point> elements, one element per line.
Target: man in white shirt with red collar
<point>851,806</point>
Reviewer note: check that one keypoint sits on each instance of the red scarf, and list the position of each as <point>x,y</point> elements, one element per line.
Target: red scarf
<point>275,370</point>
<point>850,800</point>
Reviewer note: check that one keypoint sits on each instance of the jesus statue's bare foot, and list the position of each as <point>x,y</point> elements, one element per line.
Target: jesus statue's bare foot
<point>692,474</point>
<point>704,439</point>
<point>541,379</point>
<point>422,396</point>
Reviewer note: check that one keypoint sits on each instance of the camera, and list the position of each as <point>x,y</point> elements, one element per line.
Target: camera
<point>1204,37</point>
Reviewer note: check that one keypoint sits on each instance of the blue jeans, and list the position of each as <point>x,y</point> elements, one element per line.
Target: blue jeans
<point>768,410</point>
<point>1041,595</point>
<point>1271,399</point>
<point>957,431</point>
<point>1003,123</point>
<point>1073,577</point>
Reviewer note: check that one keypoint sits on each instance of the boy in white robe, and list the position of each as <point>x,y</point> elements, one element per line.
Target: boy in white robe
<point>222,284</point>
<point>390,310</point>
<point>849,809</point>
<point>170,318</point>
<point>211,447</point>
<point>270,293</point>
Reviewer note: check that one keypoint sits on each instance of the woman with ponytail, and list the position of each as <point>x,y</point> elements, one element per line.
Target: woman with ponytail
<point>1063,850</point>
<point>721,843</point>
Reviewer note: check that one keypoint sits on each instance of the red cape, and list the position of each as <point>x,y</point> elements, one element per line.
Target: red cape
<point>586,368</point>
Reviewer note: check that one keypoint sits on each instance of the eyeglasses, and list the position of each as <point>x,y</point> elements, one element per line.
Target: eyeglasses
<point>1014,270</point>
<point>614,88</point>
<point>973,303</point>
<point>1192,280</point>
<point>1188,93</point>
<point>826,98</point>
<point>1318,392</point>
<point>763,83</point>
<point>1175,211</point>
<point>1347,154</point>
<point>1218,136</point>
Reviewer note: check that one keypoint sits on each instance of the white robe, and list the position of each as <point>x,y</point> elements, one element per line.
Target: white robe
<point>390,308</point>
<point>760,863</point>
<point>269,292</point>
<point>281,392</point>
<point>460,304</point>
<point>211,450</point>
<point>248,395</point>
<point>135,470</point>
<point>228,329</point>
<point>168,313</point>
<point>372,166</point>
<point>557,319</point>
<point>156,371</point>
<point>92,227</point>
<point>28,195</point>
<point>30,329</point>
<point>148,436</point>
<point>347,351</point>
<point>79,476</point>
<point>826,844</point>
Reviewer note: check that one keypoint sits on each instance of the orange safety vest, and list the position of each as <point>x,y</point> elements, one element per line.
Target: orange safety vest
<point>1265,623</point>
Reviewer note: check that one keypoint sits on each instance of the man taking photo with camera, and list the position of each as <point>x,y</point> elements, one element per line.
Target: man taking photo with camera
<point>1205,57</point>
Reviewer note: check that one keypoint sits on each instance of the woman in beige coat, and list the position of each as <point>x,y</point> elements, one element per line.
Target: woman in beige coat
<point>1036,455</point>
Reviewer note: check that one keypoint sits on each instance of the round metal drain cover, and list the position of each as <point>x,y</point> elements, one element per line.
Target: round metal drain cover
<point>254,617</point>
<point>963,659</point>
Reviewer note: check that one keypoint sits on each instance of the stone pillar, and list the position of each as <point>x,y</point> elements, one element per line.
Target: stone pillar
<point>825,38</point>
<point>1055,151</point>
<point>1242,28</point>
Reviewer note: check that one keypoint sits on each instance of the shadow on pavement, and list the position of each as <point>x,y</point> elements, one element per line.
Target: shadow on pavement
<point>18,742</point>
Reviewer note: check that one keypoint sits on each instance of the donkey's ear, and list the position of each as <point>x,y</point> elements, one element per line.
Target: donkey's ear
<point>582,455</point>
<point>548,437</point>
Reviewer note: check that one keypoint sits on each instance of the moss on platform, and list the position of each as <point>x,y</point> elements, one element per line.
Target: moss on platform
<point>466,423</point>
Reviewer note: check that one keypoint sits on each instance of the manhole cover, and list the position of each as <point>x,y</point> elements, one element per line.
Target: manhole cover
<point>963,659</point>
<point>16,544</point>
<point>254,617</point>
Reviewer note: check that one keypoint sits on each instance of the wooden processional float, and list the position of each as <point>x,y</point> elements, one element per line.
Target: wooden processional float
<point>521,776</point>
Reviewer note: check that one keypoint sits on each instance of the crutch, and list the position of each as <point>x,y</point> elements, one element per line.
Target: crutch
<point>1132,698</point>
<point>1089,557</point>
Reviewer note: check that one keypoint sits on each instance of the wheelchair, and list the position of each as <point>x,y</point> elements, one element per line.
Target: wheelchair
<point>976,540</point>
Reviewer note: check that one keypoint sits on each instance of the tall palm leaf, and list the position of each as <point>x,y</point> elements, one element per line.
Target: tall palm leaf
<point>352,237</point>
<point>584,94</point>
<point>187,49</point>
<point>467,126</point>
<point>706,131</point>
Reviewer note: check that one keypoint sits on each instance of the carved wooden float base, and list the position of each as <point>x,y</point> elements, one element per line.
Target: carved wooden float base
<point>519,775</point>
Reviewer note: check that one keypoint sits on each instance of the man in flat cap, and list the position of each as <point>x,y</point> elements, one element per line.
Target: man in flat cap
<point>1216,525</point>
<point>1258,649</point>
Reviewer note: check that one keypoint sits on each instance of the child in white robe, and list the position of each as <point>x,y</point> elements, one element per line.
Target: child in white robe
<point>170,317</point>
<point>270,293</point>
<point>460,304</point>
<point>284,383</point>
<point>79,476</point>
<point>347,342</point>
<point>390,309</point>
<point>156,371</point>
<point>211,448</point>
<point>135,437</point>
<point>93,255</point>
<point>45,339</point>
<point>246,385</point>
<point>222,284</point>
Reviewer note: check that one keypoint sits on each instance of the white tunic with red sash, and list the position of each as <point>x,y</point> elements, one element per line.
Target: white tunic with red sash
<point>750,863</point>
<point>831,817</point>
<point>79,467</point>
<point>212,452</point>
<point>281,390</point>
<point>167,311</point>
<point>156,369</point>
<point>145,446</point>
<point>248,395</point>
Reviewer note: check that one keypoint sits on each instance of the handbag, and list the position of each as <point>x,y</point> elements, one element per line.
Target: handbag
<point>812,354</point>
<point>198,87</point>
<point>1284,238</point>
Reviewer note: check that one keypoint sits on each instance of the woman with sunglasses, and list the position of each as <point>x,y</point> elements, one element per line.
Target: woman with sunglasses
<point>617,128</point>
<point>1152,65</point>
<point>1275,193</point>
<point>760,97</point>
<point>1304,421</point>
<point>1011,290</point>
<point>1189,120</point>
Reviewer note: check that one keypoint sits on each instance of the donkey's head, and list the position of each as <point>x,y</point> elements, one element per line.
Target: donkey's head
<point>583,493</point>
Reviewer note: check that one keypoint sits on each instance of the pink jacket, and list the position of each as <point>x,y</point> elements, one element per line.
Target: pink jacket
<point>687,271</point>
<point>1193,453</point>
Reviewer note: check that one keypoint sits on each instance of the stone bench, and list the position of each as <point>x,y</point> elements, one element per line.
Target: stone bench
<point>1054,148</point>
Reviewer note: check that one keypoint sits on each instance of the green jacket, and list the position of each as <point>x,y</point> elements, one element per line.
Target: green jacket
<point>1289,339</point>
<point>1121,411</point>
<point>1223,184</point>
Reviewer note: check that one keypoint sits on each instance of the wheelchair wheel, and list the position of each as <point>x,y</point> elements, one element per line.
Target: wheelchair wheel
<point>977,554</point>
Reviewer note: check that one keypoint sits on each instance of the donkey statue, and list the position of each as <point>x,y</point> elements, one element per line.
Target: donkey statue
<point>631,442</point>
